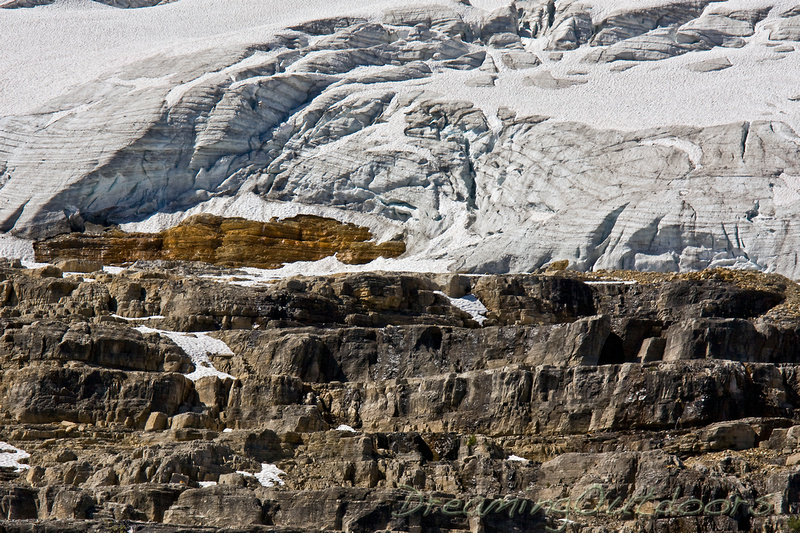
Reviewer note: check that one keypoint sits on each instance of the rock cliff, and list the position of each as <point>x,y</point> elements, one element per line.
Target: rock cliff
<point>168,397</point>
<point>225,241</point>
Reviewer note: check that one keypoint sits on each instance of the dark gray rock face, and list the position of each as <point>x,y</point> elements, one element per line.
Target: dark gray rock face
<point>366,402</point>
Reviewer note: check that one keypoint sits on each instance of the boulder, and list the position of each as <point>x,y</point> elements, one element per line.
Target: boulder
<point>157,421</point>
<point>220,506</point>
<point>729,436</point>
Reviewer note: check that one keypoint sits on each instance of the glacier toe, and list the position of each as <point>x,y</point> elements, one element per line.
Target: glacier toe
<point>442,121</point>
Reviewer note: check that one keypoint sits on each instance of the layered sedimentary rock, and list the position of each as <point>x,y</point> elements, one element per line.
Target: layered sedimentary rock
<point>418,120</point>
<point>168,399</point>
<point>225,241</point>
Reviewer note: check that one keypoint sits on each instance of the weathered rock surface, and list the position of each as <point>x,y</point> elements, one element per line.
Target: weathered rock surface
<point>545,80</point>
<point>223,241</point>
<point>710,65</point>
<point>348,402</point>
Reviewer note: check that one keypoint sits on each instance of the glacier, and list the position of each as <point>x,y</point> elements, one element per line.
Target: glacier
<point>495,136</point>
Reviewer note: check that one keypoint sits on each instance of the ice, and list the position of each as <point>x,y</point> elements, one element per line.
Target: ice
<point>80,109</point>
<point>601,9</point>
<point>252,61</point>
<point>694,152</point>
<point>754,88</point>
<point>80,41</point>
<point>788,192</point>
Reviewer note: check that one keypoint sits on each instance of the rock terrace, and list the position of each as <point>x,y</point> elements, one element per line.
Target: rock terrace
<point>325,402</point>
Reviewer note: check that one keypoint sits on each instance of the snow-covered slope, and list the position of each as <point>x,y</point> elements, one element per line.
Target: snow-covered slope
<point>653,135</point>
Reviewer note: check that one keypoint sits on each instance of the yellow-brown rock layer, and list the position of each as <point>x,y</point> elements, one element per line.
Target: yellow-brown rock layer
<point>226,241</point>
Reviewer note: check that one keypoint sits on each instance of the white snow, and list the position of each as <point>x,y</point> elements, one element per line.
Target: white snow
<point>197,346</point>
<point>611,282</point>
<point>516,458</point>
<point>252,277</point>
<point>10,457</point>
<point>601,9</point>
<point>754,88</point>
<point>227,430</point>
<point>269,475</point>
<point>76,42</point>
<point>15,248</point>
<point>80,109</point>
<point>154,317</point>
<point>470,304</point>
<point>49,49</point>
<point>205,484</point>
<point>345,427</point>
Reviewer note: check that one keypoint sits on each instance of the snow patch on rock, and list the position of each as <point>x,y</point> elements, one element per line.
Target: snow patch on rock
<point>253,277</point>
<point>197,346</point>
<point>269,475</point>
<point>129,319</point>
<point>11,456</point>
<point>15,248</point>
<point>470,304</point>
